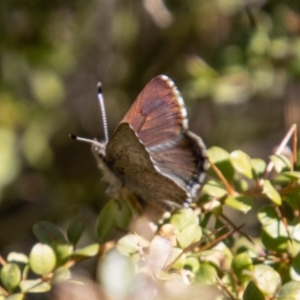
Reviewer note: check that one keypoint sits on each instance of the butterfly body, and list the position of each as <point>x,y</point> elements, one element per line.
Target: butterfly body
<point>152,153</point>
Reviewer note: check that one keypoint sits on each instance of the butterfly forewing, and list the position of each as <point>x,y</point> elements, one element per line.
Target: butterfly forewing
<point>157,115</point>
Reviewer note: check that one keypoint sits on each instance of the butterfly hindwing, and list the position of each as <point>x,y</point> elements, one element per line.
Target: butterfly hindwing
<point>129,159</point>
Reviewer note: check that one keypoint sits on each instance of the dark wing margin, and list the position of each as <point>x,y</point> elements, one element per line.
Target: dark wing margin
<point>183,160</point>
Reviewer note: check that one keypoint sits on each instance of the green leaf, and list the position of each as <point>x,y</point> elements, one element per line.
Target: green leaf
<point>292,175</point>
<point>214,189</point>
<point>17,296</point>
<point>259,166</point>
<point>75,231</point>
<point>221,159</point>
<point>130,244</point>
<point>240,202</point>
<point>122,214</point>
<point>88,251</point>
<point>267,215</point>
<point>241,263</point>
<point>188,235</point>
<point>242,163</point>
<point>282,180</point>
<point>266,279</point>
<point>63,252</point>
<point>252,292</point>
<point>289,291</point>
<point>47,233</point>
<point>34,286</point>
<point>271,193</point>
<point>105,223</point>
<point>10,276</point>
<point>206,274</point>
<point>281,163</point>
<point>295,268</point>
<point>278,244</point>
<point>42,259</point>
<point>183,218</point>
<point>61,274</point>
<point>17,258</point>
<point>271,222</point>
<point>293,199</point>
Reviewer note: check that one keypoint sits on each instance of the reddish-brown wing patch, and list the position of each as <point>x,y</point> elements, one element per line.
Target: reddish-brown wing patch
<point>158,114</point>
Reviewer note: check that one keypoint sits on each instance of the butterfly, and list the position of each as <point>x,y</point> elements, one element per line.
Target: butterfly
<point>152,153</point>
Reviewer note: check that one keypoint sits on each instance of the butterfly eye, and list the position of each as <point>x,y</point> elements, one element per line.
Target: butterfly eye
<point>99,149</point>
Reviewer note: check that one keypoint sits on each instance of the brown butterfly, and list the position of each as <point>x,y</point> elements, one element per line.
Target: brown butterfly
<point>152,153</point>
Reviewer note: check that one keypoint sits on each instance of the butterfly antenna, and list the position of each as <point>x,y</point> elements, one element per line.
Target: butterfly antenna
<point>102,108</point>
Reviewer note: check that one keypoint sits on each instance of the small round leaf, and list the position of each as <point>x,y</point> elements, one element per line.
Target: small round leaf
<point>10,276</point>
<point>214,189</point>
<point>206,274</point>
<point>42,259</point>
<point>188,235</point>
<point>130,244</point>
<point>266,279</point>
<point>259,166</point>
<point>184,217</point>
<point>242,163</point>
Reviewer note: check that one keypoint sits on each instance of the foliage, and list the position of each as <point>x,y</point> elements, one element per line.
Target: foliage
<point>185,257</point>
<point>237,64</point>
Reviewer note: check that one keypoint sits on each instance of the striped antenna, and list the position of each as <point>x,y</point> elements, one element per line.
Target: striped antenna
<point>103,113</point>
<point>89,141</point>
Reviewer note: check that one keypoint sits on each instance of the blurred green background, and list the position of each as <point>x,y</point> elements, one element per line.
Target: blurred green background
<point>237,64</point>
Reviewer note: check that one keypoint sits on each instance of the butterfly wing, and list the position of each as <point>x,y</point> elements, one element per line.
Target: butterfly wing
<point>159,118</point>
<point>158,114</point>
<point>131,162</point>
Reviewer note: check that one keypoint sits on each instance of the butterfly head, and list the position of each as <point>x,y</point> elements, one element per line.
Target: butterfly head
<point>99,148</point>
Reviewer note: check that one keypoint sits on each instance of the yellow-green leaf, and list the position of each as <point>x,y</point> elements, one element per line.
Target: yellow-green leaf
<point>242,163</point>
<point>42,259</point>
<point>271,193</point>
